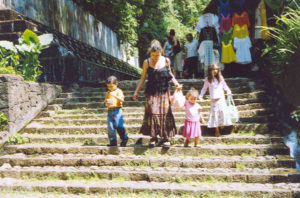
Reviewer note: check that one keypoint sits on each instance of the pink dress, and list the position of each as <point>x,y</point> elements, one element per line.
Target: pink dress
<point>192,120</point>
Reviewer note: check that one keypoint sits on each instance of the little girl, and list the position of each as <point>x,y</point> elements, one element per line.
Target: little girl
<point>193,117</point>
<point>218,108</point>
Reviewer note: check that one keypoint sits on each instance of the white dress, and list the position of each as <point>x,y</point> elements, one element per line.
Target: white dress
<point>242,47</point>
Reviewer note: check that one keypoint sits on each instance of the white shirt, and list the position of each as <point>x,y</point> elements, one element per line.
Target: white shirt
<point>216,89</point>
<point>208,19</point>
<point>191,48</point>
<point>242,47</point>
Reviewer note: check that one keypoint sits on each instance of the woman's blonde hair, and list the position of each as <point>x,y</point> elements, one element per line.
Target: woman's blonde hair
<point>192,92</point>
<point>154,46</point>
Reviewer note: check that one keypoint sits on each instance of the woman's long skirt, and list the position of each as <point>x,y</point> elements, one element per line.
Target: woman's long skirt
<point>158,117</point>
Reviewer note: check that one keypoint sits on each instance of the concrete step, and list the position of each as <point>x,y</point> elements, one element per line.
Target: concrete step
<point>100,98</point>
<point>257,149</point>
<point>153,174</point>
<point>154,160</point>
<point>196,83</point>
<point>130,121</point>
<point>10,26</point>
<point>128,92</point>
<point>280,190</point>
<point>97,110</point>
<point>76,105</point>
<point>256,128</point>
<point>247,113</point>
<point>133,139</point>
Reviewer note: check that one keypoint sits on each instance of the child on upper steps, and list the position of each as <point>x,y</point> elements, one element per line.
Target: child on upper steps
<point>218,116</point>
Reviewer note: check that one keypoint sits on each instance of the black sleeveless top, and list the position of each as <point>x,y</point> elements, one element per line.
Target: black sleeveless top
<point>158,80</point>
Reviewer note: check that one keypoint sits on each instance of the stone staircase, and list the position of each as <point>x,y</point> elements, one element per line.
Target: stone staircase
<point>66,152</point>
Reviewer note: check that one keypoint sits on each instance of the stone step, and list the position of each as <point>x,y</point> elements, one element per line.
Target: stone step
<point>136,120</point>
<point>11,26</point>
<point>100,98</point>
<point>281,190</point>
<point>252,106</point>
<point>186,83</point>
<point>6,14</point>
<point>153,174</point>
<point>133,139</point>
<point>257,149</point>
<point>156,160</point>
<point>76,105</point>
<point>256,128</point>
<point>128,92</point>
<point>248,113</point>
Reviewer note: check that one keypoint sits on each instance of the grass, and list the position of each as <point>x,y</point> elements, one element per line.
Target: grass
<point>143,194</point>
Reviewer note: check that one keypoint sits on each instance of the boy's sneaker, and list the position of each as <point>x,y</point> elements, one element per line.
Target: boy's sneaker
<point>112,143</point>
<point>124,142</point>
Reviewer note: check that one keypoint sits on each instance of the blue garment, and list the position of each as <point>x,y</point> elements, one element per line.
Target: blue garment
<point>169,53</point>
<point>224,9</point>
<point>115,122</point>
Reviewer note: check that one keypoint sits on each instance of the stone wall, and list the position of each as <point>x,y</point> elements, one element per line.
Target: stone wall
<point>68,18</point>
<point>22,101</point>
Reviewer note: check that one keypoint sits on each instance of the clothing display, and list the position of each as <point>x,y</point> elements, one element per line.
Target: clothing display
<point>227,36</point>
<point>225,23</point>
<point>224,8</point>
<point>240,19</point>
<point>209,33</point>
<point>263,18</point>
<point>207,54</point>
<point>240,32</point>
<point>242,47</point>
<point>238,6</point>
<point>228,54</point>
<point>207,19</point>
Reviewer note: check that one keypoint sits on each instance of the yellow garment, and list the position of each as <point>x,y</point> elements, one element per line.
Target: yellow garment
<point>240,32</point>
<point>228,54</point>
<point>264,32</point>
<point>115,103</point>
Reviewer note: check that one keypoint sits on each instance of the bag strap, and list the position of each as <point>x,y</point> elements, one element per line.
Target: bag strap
<point>230,101</point>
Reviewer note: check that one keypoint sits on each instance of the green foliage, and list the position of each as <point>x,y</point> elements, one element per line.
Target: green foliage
<point>17,139</point>
<point>23,59</point>
<point>137,22</point>
<point>283,50</point>
<point>3,121</point>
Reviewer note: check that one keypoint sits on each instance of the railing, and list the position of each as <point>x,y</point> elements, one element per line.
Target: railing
<point>84,55</point>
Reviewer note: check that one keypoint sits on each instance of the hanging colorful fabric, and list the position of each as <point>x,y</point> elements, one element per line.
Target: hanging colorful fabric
<point>265,33</point>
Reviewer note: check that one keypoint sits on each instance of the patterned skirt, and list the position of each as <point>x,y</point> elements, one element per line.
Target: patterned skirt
<point>158,117</point>
<point>218,114</point>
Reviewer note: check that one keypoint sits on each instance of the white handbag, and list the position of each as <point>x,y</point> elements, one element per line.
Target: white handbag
<point>232,110</point>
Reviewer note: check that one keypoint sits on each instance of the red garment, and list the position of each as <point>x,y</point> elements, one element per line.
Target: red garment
<point>225,23</point>
<point>241,20</point>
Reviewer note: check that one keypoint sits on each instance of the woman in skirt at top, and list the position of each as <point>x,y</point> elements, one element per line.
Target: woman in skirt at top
<point>158,118</point>
<point>218,109</point>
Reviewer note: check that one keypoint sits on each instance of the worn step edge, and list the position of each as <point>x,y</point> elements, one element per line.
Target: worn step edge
<point>154,174</point>
<point>178,139</point>
<point>262,162</point>
<point>281,190</point>
<point>259,150</point>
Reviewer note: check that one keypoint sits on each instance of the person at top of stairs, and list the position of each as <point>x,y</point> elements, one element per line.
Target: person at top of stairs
<point>114,99</point>
<point>158,119</point>
<point>218,108</point>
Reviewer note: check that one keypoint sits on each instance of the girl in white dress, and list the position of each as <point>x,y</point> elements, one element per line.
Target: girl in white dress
<point>218,109</point>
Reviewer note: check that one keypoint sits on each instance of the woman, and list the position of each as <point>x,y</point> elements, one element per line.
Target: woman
<point>158,118</point>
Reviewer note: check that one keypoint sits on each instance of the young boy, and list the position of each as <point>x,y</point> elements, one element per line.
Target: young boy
<point>114,99</point>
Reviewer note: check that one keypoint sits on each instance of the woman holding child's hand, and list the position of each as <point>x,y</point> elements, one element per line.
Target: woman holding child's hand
<point>158,118</point>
